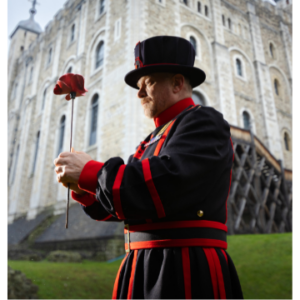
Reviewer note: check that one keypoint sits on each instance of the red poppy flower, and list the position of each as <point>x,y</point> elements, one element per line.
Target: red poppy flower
<point>70,83</point>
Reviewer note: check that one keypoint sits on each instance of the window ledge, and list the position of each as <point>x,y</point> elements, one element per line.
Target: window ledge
<point>100,16</point>
<point>70,44</point>
<point>92,147</point>
<point>97,70</point>
<point>241,77</point>
<point>195,12</point>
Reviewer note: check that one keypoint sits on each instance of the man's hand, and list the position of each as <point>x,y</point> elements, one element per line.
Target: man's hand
<point>74,187</point>
<point>68,166</point>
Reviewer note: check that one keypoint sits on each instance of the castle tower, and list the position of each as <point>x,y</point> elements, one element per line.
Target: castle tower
<point>245,48</point>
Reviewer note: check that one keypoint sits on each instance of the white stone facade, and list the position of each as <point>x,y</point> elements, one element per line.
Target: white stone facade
<point>225,31</point>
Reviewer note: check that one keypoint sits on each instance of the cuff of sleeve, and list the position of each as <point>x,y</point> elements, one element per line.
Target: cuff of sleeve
<point>88,178</point>
<point>85,200</point>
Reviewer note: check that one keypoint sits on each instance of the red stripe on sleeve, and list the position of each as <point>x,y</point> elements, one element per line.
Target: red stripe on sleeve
<point>186,272</point>
<point>151,187</point>
<point>116,193</point>
<point>88,177</point>
<point>106,218</point>
<point>224,253</point>
<point>130,286</point>
<point>116,285</point>
<point>219,274</point>
<point>86,199</point>
<point>212,270</point>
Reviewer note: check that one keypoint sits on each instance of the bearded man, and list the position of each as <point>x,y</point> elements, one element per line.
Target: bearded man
<point>172,193</point>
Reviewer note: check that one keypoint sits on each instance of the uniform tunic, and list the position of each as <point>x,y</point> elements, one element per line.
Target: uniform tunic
<point>172,196</point>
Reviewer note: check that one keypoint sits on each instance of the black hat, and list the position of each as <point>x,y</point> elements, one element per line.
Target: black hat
<point>165,54</point>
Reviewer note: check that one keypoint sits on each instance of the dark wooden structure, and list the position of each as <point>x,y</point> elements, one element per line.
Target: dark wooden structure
<point>260,199</point>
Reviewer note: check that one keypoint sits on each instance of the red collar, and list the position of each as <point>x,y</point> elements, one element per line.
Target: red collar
<point>172,111</point>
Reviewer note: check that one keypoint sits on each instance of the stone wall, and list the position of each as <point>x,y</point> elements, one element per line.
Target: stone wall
<point>121,124</point>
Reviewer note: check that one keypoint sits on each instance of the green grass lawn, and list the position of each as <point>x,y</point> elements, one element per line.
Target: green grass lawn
<point>263,262</point>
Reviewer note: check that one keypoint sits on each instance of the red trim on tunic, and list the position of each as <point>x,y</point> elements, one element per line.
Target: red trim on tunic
<point>212,270</point>
<point>162,139</point>
<point>88,178</point>
<point>140,150</point>
<point>86,199</point>
<point>172,111</point>
<point>106,218</point>
<point>133,266</point>
<point>178,224</point>
<point>116,193</point>
<point>152,189</point>
<point>224,253</point>
<point>116,284</point>
<point>177,243</point>
<point>186,272</point>
<point>222,292</point>
<point>229,180</point>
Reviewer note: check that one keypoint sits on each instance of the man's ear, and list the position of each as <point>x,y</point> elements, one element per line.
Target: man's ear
<point>178,83</point>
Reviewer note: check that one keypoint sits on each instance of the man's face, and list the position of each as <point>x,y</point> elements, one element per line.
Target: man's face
<point>155,91</point>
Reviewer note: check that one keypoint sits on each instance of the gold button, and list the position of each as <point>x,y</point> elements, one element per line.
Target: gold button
<point>200,213</point>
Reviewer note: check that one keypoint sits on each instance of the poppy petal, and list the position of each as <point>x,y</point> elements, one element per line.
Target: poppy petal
<point>67,79</point>
<point>65,88</point>
<point>57,90</point>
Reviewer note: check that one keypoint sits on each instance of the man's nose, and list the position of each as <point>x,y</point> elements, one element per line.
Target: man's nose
<point>142,93</point>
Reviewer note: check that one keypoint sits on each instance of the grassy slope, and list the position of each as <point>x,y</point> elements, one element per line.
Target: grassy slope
<point>87,280</point>
<point>263,262</point>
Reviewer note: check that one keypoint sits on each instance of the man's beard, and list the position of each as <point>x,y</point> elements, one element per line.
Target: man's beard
<point>152,108</point>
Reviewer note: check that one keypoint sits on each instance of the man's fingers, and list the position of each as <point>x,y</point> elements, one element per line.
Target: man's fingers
<point>59,169</point>
<point>60,161</point>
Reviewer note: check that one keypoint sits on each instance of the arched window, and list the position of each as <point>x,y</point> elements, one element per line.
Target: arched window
<point>271,47</point>
<point>99,55</point>
<point>15,90</point>
<point>94,118</point>
<point>246,120</point>
<point>229,23</point>
<point>102,6</point>
<point>30,74</point>
<point>239,69</point>
<point>62,126</point>
<point>69,70</point>
<point>287,141</point>
<point>49,56</point>
<point>72,33</point>
<point>12,178</point>
<point>35,152</point>
<point>199,7</point>
<point>206,10</point>
<point>223,20</point>
<point>276,87</point>
<point>44,98</point>
<point>194,43</point>
<point>198,98</point>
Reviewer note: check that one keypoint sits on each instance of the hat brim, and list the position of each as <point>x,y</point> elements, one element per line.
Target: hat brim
<point>195,75</point>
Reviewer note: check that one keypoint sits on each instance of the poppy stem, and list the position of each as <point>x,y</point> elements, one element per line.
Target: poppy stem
<point>73,95</point>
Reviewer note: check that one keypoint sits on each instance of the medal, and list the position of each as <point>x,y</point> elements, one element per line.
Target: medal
<point>153,140</point>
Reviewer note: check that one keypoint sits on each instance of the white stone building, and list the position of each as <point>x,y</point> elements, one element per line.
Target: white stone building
<point>244,46</point>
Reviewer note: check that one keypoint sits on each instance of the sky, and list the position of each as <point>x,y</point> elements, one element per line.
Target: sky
<point>18,10</point>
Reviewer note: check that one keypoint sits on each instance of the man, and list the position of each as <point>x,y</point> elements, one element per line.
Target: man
<point>172,194</point>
